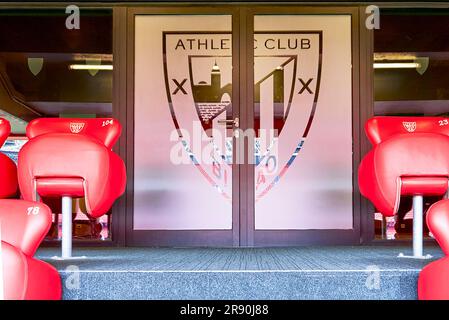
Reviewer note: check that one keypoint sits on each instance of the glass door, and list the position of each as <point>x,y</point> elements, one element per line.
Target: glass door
<point>303,147</point>
<point>185,114</point>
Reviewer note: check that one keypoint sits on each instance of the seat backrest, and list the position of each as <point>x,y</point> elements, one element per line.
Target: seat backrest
<point>438,223</point>
<point>8,177</point>
<point>67,164</point>
<point>107,130</point>
<point>420,161</point>
<point>14,272</point>
<point>381,128</point>
<point>24,224</point>
<point>5,130</point>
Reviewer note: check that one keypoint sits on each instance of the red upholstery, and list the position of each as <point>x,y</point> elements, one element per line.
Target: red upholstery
<point>379,129</point>
<point>438,223</point>
<point>28,278</point>
<point>411,163</point>
<point>5,130</point>
<point>8,169</point>
<point>433,283</point>
<point>24,224</point>
<point>107,130</point>
<point>430,186</point>
<point>50,187</point>
<point>21,226</point>
<point>56,162</point>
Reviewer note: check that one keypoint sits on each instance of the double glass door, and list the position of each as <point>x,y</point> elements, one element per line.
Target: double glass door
<point>242,127</point>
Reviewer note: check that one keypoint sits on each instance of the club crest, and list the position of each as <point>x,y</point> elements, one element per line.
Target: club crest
<point>198,80</point>
<point>410,126</point>
<point>76,127</point>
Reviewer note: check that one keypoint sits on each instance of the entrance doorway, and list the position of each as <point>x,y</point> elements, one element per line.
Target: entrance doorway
<point>242,126</point>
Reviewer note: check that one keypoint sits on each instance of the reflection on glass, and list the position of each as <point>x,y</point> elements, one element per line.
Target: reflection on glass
<point>411,63</point>
<point>11,148</point>
<point>36,80</point>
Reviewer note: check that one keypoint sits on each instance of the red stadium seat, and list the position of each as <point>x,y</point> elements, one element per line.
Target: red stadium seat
<point>8,169</point>
<point>72,158</point>
<point>433,283</point>
<point>24,225</point>
<point>410,157</point>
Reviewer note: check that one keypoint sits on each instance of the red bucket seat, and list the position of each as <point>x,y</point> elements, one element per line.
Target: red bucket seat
<point>410,157</point>
<point>73,157</point>
<point>24,225</point>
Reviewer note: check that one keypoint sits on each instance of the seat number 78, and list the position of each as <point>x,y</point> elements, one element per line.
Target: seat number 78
<point>33,211</point>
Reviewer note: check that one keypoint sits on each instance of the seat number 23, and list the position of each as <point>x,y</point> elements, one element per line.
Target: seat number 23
<point>33,211</point>
<point>444,122</point>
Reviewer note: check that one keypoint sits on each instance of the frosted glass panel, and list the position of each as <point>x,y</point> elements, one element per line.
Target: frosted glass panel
<point>183,156</point>
<point>303,103</point>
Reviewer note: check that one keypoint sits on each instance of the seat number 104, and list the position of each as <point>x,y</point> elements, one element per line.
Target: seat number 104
<point>107,123</point>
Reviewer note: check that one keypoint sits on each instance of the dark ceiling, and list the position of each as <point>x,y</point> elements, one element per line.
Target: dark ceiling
<point>45,31</point>
<point>56,89</point>
<point>409,31</point>
<point>416,33</point>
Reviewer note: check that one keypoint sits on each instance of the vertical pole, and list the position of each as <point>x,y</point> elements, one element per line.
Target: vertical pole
<point>417,226</point>
<point>66,227</point>
<point>446,195</point>
<point>2,295</point>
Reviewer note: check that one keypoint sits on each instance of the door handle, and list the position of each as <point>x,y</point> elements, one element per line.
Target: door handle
<point>234,122</point>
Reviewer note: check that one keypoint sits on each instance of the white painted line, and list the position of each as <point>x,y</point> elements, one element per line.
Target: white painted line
<point>239,271</point>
